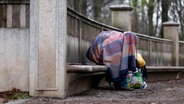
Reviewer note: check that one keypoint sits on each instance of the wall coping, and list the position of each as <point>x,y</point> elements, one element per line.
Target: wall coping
<point>121,8</point>
<point>70,10</point>
<point>165,69</point>
<point>86,68</point>
<point>14,2</point>
<point>170,23</point>
<point>153,38</point>
<point>181,42</point>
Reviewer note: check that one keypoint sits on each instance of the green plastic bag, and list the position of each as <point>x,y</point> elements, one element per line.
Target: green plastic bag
<point>135,80</point>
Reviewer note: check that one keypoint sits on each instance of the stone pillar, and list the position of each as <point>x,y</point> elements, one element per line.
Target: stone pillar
<point>121,16</point>
<point>48,25</point>
<point>171,32</point>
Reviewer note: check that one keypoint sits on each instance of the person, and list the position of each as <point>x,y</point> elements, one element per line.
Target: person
<point>141,64</point>
<point>117,51</point>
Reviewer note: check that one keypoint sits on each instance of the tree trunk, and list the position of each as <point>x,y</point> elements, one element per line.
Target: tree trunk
<point>80,6</point>
<point>97,9</point>
<point>157,18</point>
<point>181,17</point>
<point>150,16</point>
<point>135,16</point>
<point>165,8</point>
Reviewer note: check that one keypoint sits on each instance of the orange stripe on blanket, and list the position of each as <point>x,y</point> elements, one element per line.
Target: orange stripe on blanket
<point>95,58</point>
<point>97,54</point>
<point>131,50</point>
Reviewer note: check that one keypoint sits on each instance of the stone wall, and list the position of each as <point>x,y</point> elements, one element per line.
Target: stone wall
<point>14,59</point>
<point>14,13</point>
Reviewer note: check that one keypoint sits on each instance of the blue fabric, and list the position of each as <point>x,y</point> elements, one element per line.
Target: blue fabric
<point>123,82</point>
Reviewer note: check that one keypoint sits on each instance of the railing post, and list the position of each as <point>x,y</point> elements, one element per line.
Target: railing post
<point>171,32</point>
<point>48,35</point>
<point>121,16</point>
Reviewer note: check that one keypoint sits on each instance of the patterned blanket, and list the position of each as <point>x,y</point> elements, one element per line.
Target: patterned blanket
<point>115,50</point>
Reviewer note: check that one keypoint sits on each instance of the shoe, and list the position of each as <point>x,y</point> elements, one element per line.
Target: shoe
<point>144,85</point>
<point>127,89</point>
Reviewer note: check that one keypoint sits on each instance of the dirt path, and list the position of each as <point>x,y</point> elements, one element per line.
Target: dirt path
<point>165,92</point>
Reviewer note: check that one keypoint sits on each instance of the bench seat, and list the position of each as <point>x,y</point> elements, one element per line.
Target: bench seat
<point>84,77</point>
<point>86,68</point>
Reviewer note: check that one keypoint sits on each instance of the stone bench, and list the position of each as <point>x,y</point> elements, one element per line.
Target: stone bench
<point>158,73</point>
<point>84,77</point>
<point>86,68</point>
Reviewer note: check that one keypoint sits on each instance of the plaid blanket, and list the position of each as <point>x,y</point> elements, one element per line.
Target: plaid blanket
<point>115,50</point>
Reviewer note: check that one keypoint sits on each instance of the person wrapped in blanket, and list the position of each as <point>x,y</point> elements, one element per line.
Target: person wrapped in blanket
<point>117,51</point>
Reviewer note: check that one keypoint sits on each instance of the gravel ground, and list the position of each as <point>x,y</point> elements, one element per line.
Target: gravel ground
<point>165,92</point>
